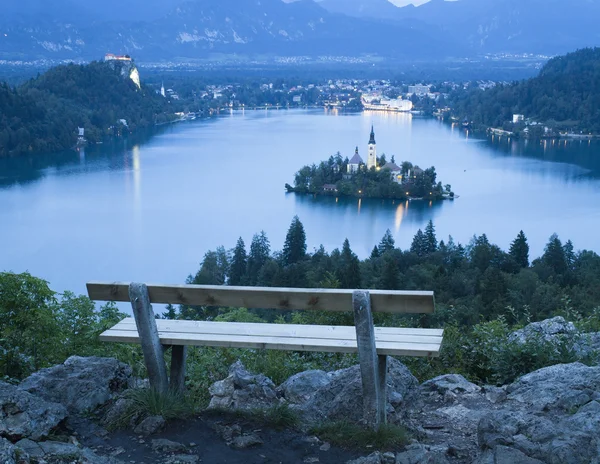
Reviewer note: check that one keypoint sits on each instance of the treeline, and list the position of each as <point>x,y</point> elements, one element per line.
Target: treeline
<point>473,283</point>
<point>564,96</point>
<point>43,114</point>
<point>369,183</point>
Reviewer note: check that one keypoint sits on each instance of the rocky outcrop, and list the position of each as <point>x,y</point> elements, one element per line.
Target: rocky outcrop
<point>341,397</point>
<point>80,384</point>
<point>550,330</point>
<point>242,391</point>
<point>23,415</point>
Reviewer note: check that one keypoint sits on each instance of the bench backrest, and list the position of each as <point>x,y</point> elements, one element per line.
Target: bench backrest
<point>385,301</point>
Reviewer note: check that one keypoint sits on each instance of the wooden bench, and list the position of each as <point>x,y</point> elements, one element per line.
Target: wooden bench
<point>373,344</point>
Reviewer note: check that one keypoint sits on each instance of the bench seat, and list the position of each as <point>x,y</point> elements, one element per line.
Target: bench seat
<point>291,337</point>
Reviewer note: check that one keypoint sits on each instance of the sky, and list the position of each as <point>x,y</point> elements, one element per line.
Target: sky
<point>406,2</point>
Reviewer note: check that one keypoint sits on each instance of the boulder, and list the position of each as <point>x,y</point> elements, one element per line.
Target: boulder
<point>299,388</point>
<point>150,425</point>
<point>341,397</point>
<point>8,453</point>
<point>550,330</point>
<point>563,387</point>
<point>420,454</point>
<point>80,384</point>
<point>23,415</point>
<point>505,455</point>
<point>242,391</point>
<point>168,446</point>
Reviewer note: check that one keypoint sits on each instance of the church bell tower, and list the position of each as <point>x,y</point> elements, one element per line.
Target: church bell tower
<point>372,159</point>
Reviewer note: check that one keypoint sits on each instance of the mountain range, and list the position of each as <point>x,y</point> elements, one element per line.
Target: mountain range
<point>195,29</point>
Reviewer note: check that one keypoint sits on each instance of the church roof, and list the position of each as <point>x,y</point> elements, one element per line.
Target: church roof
<point>356,159</point>
<point>392,167</point>
<point>372,139</point>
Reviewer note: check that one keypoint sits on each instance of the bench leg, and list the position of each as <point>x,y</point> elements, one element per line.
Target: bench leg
<point>178,358</point>
<point>148,332</point>
<point>382,380</point>
<point>374,403</point>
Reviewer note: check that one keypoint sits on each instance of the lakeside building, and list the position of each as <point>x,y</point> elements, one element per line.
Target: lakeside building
<point>372,158</point>
<point>354,163</point>
<point>379,103</point>
<point>419,89</point>
<point>517,118</point>
<point>111,57</point>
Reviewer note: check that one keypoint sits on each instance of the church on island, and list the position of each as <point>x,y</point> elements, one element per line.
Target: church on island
<point>356,163</point>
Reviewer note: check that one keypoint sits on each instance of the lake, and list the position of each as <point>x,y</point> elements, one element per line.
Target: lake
<point>149,207</point>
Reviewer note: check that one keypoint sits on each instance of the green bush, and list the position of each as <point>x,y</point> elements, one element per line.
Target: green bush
<point>350,435</point>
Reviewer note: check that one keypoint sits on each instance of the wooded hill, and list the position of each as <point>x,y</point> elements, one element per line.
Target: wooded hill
<point>565,95</point>
<point>43,114</point>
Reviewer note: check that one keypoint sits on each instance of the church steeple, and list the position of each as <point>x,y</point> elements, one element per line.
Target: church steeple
<point>372,139</point>
<point>372,158</point>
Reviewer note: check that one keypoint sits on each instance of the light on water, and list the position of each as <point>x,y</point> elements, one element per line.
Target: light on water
<point>149,210</point>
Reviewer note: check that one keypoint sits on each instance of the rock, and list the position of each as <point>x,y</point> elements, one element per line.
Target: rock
<point>388,458</point>
<point>242,391</point>
<point>80,384</point>
<point>227,432</point>
<point>23,415</point>
<point>325,447</point>
<point>450,383</point>
<point>246,441</point>
<point>89,457</point>
<point>505,455</point>
<point>162,444</point>
<point>30,447</point>
<point>494,394</point>
<point>550,330</point>
<point>563,387</point>
<point>419,454</point>
<point>59,449</point>
<point>299,388</point>
<point>8,453</point>
<point>182,459</point>
<point>341,398</point>
<point>374,458</point>
<point>150,425</point>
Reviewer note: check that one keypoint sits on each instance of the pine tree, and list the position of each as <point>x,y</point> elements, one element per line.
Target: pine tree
<point>387,243</point>
<point>294,249</point>
<point>519,250</point>
<point>375,253</point>
<point>418,243</point>
<point>554,255</point>
<point>170,313</point>
<point>430,243</point>
<point>260,249</point>
<point>569,253</point>
<point>349,268</point>
<point>389,274</point>
<point>239,264</point>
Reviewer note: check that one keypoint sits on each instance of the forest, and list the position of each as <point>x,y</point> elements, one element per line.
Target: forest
<point>565,96</point>
<point>43,114</point>
<point>370,183</point>
<point>483,294</point>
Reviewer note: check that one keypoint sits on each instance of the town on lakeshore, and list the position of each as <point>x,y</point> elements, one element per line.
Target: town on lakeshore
<point>377,178</point>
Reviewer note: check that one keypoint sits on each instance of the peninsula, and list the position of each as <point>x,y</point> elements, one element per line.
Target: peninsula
<point>377,178</point>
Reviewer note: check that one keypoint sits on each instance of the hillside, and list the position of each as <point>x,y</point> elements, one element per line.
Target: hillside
<point>565,95</point>
<point>43,114</point>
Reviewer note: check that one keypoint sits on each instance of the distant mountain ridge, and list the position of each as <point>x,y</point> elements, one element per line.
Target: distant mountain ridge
<point>191,29</point>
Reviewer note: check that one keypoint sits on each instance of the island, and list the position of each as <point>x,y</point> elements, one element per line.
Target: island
<point>377,178</point>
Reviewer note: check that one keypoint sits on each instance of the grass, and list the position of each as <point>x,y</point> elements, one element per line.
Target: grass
<point>146,402</point>
<point>350,435</point>
<point>278,417</point>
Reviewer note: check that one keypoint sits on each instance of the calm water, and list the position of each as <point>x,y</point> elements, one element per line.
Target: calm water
<point>149,209</point>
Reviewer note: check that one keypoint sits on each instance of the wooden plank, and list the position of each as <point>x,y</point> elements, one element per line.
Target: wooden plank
<point>287,330</point>
<point>369,362</point>
<point>275,343</point>
<point>268,298</point>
